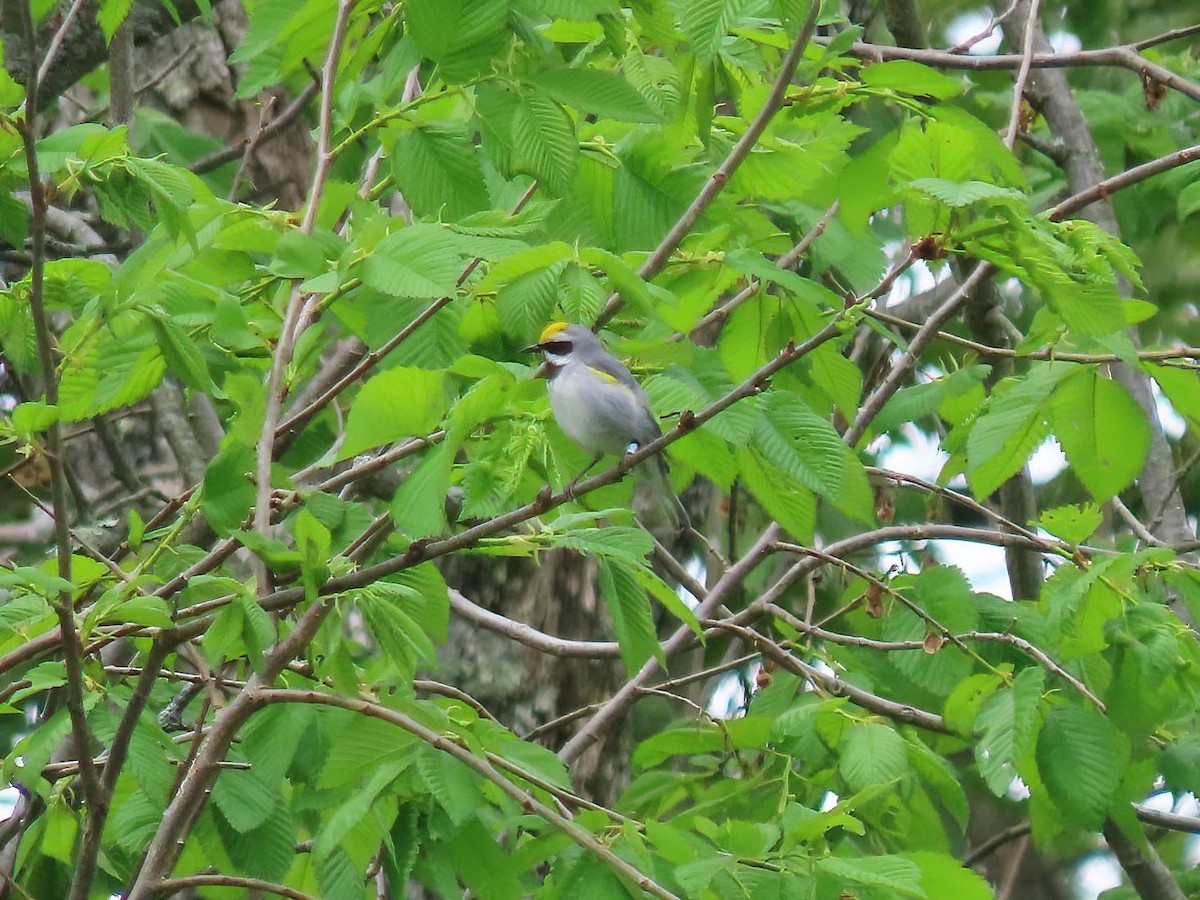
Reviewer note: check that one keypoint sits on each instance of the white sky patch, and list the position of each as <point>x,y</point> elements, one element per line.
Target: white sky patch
<point>1172,423</point>
<point>1047,462</point>
<point>920,454</point>
<point>1096,874</point>
<point>967,26</point>
<point>728,698</point>
<point>970,24</point>
<point>8,802</point>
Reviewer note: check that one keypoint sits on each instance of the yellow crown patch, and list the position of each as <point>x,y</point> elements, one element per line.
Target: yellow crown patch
<point>551,330</point>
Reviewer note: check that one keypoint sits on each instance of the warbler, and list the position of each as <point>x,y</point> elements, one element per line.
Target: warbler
<point>599,404</point>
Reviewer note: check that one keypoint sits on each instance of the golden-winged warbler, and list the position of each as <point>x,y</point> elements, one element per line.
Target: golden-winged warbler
<point>598,404</point>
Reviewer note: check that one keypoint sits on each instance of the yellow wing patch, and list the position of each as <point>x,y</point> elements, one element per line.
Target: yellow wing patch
<point>551,330</point>
<point>604,376</point>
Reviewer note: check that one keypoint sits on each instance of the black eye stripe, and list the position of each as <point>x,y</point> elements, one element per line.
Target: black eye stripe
<point>559,347</point>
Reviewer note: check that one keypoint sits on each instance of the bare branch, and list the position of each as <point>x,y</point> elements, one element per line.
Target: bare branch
<point>1014,117</point>
<point>186,882</point>
<point>530,636</point>
<point>47,358</point>
<point>269,132</point>
<point>1123,57</point>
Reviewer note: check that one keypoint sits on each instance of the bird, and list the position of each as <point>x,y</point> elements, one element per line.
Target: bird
<point>599,404</point>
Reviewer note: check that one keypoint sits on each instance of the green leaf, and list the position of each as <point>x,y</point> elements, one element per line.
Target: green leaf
<point>944,876</point>
<point>1102,430</point>
<point>682,738</point>
<point>805,446</point>
<point>1007,725</point>
<point>421,261</point>
<point>911,78</point>
<point>265,851</point>
<point>1180,764</point>
<point>182,355</point>
<point>400,638</point>
<point>872,754</point>
<point>245,797</point>
<point>604,94</point>
<point>401,402</point>
<point>228,488</point>
<point>1182,388</point>
<point>363,746</point>
<point>1011,428</point>
<point>1074,524</point>
<point>963,193</point>
<point>668,597</point>
<point>1188,201</point>
<point>453,785</point>
<point>14,215</point>
<point>1081,757</point>
<point>419,505</point>
<point>110,15</point>
<point>633,621</point>
<point>786,500</point>
<point>891,873</point>
<point>941,779</point>
<point>438,169</point>
<point>461,36</point>
<point>31,417</point>
<point>945,595</point>
<point>528,133</point>
<point>706,22</point>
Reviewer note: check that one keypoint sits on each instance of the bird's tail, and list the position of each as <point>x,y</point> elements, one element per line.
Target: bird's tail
<point>655,502</point>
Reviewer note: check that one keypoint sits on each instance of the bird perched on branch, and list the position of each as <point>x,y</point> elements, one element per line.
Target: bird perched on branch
<point>599,404</point>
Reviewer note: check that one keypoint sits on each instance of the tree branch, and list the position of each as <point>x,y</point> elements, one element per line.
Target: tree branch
<point>290,330</point>
<point>1150,878</point>
<point>1124,56</point>
<point>187,882</point>
<point>47,358</point>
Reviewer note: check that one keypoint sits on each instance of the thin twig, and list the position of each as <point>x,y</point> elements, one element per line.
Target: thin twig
<point>900,369</point>
<point>290,329</point>
<point>229,154</point>
<point>787,261</point>
<point>717,181</point>
<point>97,812</point>
<point>51,53</point>
<point>1103,189</point>
<point>974,39</point>
<point>1125,56</point>
<point>834,685</point>
<point>616,706</point>
<point>212,879</point>
<point>64,604</point>
<point>530,636</point>
<point>1014,117</point>
<point>995,842</point>
<point>988,351</point>
<point>440,742</point>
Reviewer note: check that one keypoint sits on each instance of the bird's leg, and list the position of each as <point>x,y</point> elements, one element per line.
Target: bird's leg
<point>569,490</point>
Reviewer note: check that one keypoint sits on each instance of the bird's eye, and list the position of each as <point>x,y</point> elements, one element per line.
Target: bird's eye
<point>559,348</point>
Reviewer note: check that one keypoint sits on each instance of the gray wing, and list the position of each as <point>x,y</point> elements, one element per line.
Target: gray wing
<point>610,365</point>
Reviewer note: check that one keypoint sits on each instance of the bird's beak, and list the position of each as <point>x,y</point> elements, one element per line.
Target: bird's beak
<point>532,348</point>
